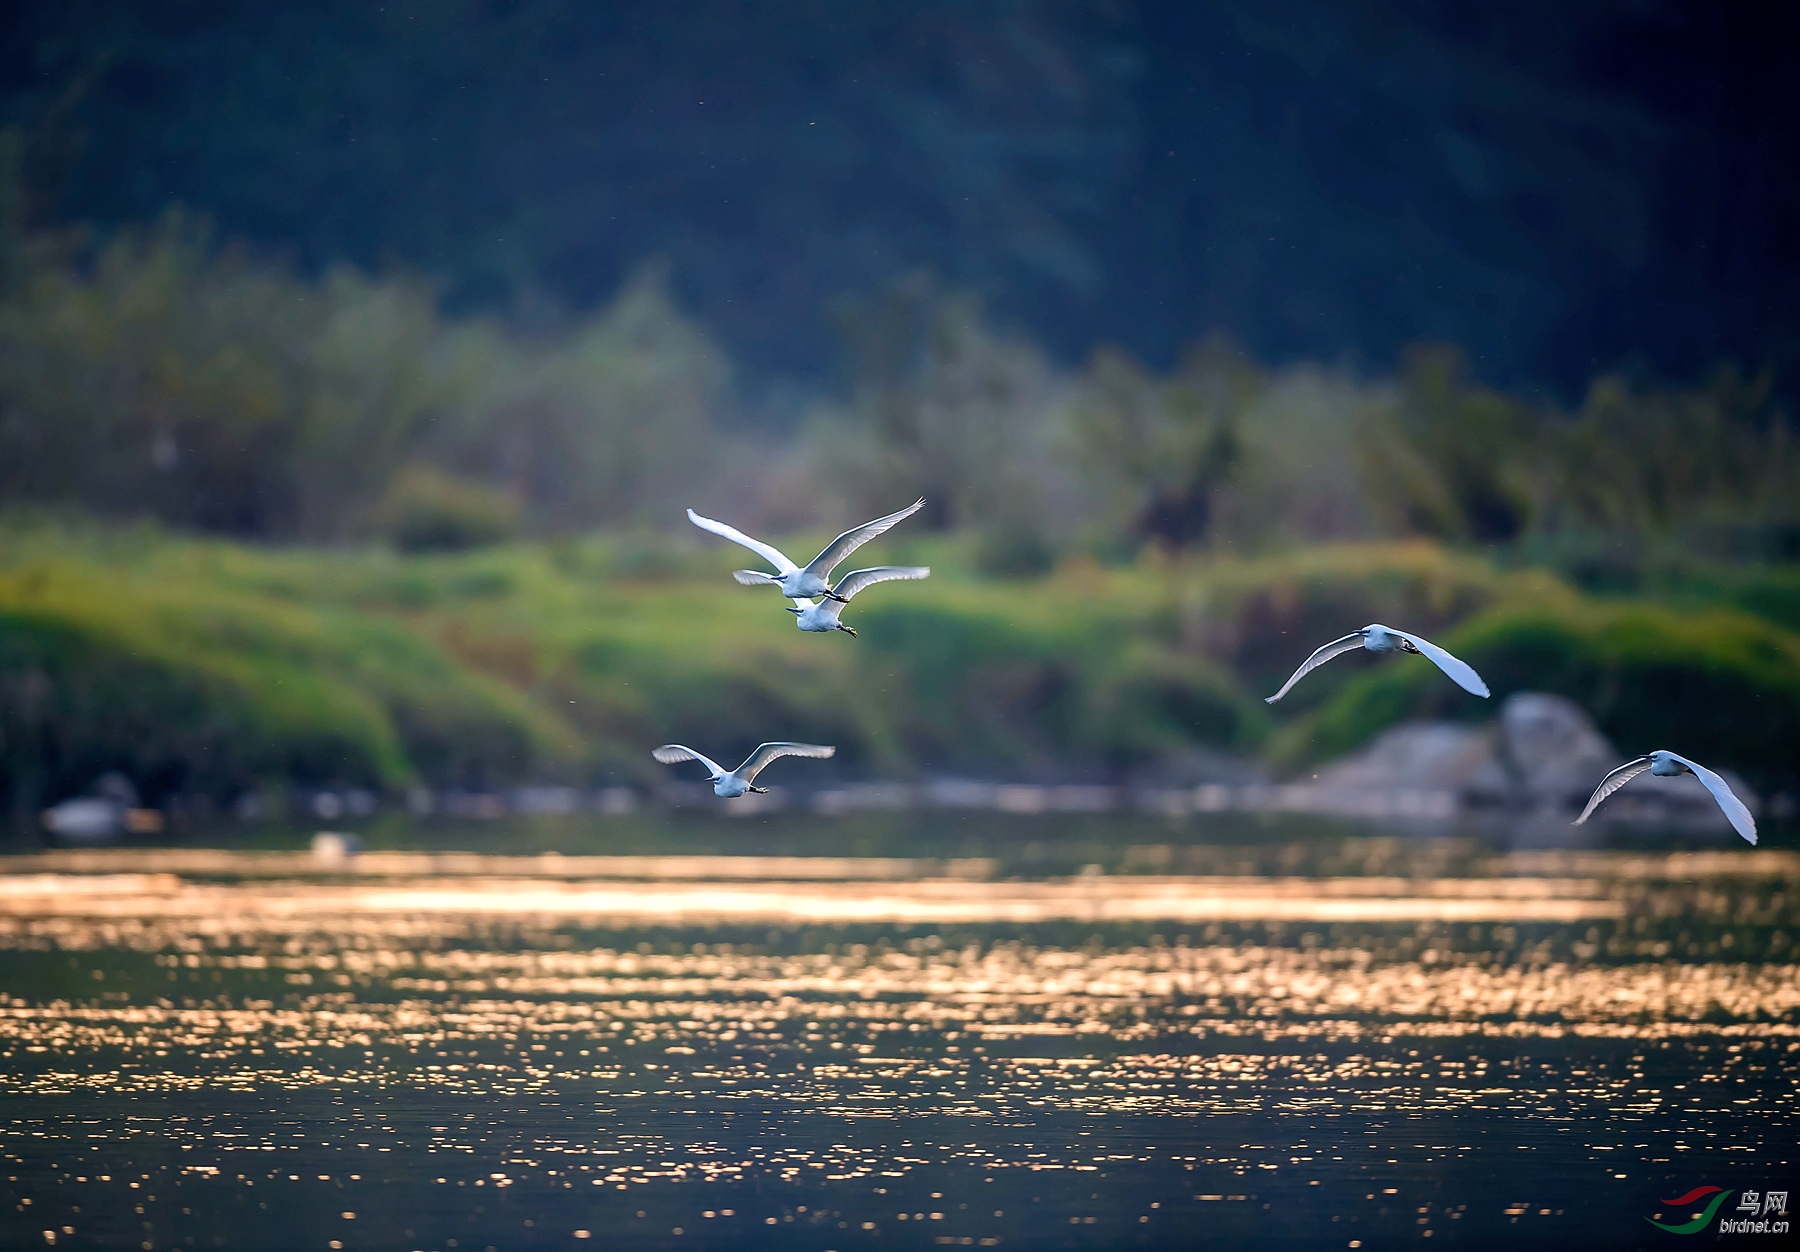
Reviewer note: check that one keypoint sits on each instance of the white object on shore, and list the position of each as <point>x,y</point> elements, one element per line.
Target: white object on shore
<point>334,848</point>
<point>823,616</point>
<point>1665,764</point>
<point>742,779</point>
<point>100,819</point>
<point>1378,638</point>
<point>814,579</point>
<point>87,820</point>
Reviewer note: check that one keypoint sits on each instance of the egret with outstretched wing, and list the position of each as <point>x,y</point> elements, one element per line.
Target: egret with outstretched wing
<point>1665,764</point>
<point>1378,638</point>
<point>824,615</point>
<point>735,783</point>
<point>814,579</point>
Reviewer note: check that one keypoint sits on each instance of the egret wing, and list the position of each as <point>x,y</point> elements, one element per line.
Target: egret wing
<point>755,763</point>
<point>1735,810</point>
<point>858,580</point>
<point>675,753</point>
<point>1611,783</point>
<point>1461,672</point>
<point>852,539</point>
<point>768,552</point>
<point>1337,647</point>
<point>754,577</point>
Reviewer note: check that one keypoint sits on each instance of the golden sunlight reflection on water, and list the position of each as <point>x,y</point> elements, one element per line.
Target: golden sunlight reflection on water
<point>205,1046</point>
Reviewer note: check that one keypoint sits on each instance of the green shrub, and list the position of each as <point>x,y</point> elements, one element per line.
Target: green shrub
<point>214,666</point>
<point>160,669</point>
<point>427,510</point>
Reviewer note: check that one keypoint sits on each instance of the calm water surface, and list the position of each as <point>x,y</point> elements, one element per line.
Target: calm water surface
<point>1079,1038</point>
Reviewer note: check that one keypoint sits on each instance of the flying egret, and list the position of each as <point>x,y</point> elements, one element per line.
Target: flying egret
<point>1666,764</point>
<point>743,778</point>
<point>823,616</point>
<point>815,579</point>
<point>1379,638</point>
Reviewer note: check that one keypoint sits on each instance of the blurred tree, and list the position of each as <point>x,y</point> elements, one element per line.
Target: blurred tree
<point>945,406</point>
<point>161,374</point>
<point>606,421</point>
<point>1633,467</point>
<point>208,387</point>
<point>1714,469</point>
<point>427,510</point>
<point>1453,460</point>
<point>1157,451</point>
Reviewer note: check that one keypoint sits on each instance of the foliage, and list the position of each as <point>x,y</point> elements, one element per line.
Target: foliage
<point>945,406</point>
<point>233,666</point>
<point>427,510</point>
<point>130,652</point>
<point>604,422</point>
<point>160,375</point>
<point>1714,467</point>
<point>1157,451</point>
<point>1102,170</point>
<point>170,378</point>
<point>209,667</point>
<point>1451,460</point>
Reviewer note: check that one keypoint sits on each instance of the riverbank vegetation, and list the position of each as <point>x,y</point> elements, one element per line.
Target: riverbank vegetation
<point>270,528</point>
<point>212,667</point>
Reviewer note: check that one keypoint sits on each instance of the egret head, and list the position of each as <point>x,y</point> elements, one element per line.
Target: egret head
<point>1664,764</point>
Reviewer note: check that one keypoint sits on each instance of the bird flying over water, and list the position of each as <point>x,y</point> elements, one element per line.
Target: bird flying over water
<point>815,578</point>
<point>1378,638</point>
<point>823,616</point>
<point>1666,764</point>
<point>743,778</point>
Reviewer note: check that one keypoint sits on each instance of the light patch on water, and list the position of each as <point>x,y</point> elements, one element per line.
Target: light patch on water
<point>389,1059</point>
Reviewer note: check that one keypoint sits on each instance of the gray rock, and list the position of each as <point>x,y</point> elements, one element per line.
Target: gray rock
<point>1433,755</point>
<point>1535,765</point>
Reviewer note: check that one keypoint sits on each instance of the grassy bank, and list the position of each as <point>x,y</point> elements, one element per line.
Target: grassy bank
<point>210,667</point>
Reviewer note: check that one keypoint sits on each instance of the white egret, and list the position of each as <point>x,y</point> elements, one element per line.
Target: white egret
<point>823,616</point>
<point>743,778</point>
<point>1379,638</point>
<point>1666,764</point>
<point>815,578</point>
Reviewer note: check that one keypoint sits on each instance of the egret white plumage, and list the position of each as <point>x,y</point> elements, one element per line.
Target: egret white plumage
<point>823,616</point>
<point>1378,638</point>
<point>1665,764</point>
<point>813,579</point>
<point>734,783</point>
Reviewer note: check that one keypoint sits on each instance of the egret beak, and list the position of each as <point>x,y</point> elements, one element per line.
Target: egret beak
<point>793,610</point>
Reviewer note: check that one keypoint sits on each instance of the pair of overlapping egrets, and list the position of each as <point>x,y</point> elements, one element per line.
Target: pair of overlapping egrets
<point>819,604</point>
